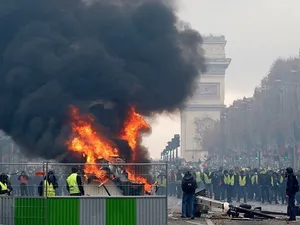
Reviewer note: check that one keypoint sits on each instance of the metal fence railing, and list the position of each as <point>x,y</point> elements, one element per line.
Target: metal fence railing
<point>113,179</point>
<point>115,193</point>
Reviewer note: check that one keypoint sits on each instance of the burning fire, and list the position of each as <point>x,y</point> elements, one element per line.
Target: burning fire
<point>132,127</point>
<point>93,146</point>
<point>134,124</point>
<point>88,142</point>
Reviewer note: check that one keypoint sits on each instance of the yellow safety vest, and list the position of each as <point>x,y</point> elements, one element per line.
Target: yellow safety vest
<point>72,183</point>
<point>206,179</point>
<point>163,183</point>
<point>254,179</point>
<point>281,179</point>
<point>242,181</point>
<point>48,189</point>
<point>226,179</point>
<point>198,176</point>
<point>231,180</point>
<point>3,188</point>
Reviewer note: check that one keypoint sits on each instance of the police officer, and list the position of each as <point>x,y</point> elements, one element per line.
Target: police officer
<point>74,183</point>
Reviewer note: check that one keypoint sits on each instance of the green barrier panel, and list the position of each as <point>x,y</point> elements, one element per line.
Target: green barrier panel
<point>29,211</point>
<point>87,211</point>
<point>120,211</point>
<point>63,211</point>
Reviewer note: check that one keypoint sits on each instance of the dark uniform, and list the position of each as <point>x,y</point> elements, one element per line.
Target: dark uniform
<point>265,184</point>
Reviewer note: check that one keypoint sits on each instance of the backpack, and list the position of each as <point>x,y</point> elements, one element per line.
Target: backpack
<point>188,186</point>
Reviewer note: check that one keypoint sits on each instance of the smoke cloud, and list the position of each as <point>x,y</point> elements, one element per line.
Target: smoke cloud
<point>57,53</point>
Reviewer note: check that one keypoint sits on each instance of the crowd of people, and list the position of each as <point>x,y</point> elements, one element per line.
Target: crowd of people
<point>50,185</point>
<point>239,184</point>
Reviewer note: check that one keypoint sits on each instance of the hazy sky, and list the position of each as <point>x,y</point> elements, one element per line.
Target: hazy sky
<point>257,31</point>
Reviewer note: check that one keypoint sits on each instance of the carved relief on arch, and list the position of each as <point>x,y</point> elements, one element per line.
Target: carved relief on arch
<point>202,125</point>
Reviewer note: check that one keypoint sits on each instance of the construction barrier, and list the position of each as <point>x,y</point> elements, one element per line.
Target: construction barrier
<point>83,211</point>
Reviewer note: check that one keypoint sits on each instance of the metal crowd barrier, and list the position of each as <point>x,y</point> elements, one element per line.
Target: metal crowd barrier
<point>138,210</point>
<point>122,207</point>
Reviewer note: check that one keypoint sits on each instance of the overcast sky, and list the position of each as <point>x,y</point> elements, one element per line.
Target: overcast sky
<point>257,31</point>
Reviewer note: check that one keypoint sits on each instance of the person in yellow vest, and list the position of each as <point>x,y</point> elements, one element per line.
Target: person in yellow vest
<point>198,178</point>
<point>4,187</point>
<point>74,183</point>
<point>207,179</point>
<point>282,186</point>
<point>48,185</point>
<point>255,186</point>
<point>242,182</point>
<point>275,186</point>
<point>230,186</point>
<point>225,182</point>
<point>162,184</point>
<point>249,188</point>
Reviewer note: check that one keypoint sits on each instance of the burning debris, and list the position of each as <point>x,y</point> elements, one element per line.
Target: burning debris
<point>94,146</point>
<point>103,58</point>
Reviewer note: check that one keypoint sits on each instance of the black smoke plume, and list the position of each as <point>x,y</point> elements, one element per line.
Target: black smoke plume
<point>57,53</point>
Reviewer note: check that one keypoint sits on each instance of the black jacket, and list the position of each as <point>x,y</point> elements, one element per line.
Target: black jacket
<point>291,185</point>
<point>189,179</point>
<point>264,179</point>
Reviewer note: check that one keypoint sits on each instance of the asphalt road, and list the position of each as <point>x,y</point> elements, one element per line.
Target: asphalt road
<point>266,222</point>
<point>174,208</point>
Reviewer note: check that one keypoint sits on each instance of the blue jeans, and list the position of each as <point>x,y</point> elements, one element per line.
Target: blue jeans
<point>291,209</point>
<point>187,200</point>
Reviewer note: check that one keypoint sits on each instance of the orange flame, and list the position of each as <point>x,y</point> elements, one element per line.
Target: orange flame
<point>93,146</point>
<point>88,142</point>
<point>131,133</point>
<point>133,126</point>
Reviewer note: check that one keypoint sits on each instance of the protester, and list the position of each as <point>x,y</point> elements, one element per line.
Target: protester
<point>292,187</point>
<point>189,186</point>
<point>48,185</point>
<point>5,186</point>
<point>74,183</point>
<point>23,178</point>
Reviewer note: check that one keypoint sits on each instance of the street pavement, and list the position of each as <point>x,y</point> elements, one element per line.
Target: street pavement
<point>174,212</point>
<point>174,209</point>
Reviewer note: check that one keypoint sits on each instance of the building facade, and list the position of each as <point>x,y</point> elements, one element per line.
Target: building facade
<point>204,108</point>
